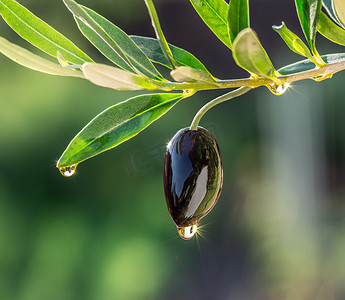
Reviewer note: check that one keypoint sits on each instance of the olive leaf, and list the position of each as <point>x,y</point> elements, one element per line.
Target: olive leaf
<point>307,64</point>
<point>308,14</point>
<point>33,61</point>
<point>293,41</point>
<point>159,33</point>
<point>251,56</point>
<point>39,33</point>
<point>79,13</point>
<point>327,4</point>
<point>339,9</point>
<point>113,42</point>
<point>135,55</point>
<point>153,50</point>
<point>188,74</point>
<point>330,30</point>
<point>238,17</point>
<point>115,78</point>
<point>214,14</point>
<point>116,125</point>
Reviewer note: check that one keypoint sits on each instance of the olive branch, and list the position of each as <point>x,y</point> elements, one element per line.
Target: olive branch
<point>133,60</point>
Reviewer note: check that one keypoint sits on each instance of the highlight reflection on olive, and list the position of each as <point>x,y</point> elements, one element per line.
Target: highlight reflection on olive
<point>193,177</point>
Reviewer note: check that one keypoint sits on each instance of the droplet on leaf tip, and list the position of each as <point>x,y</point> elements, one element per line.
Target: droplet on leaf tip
<point>68,171</point>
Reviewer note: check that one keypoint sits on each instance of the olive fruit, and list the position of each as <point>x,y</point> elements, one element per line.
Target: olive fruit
<point>193,178</point>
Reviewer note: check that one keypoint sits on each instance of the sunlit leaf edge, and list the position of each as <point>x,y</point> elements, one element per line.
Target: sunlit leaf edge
<point>34,62</point>
<point>327,4</point>
<point>219,27</point>
<point>68,158</point>
<point>305,10</point>
<point>238,17</point>
<point>330,30</point>
<point>243,53</point>
<point>157,56</point>
<point>306,64</point>
<point>129,48</point>
<point>39,33</point>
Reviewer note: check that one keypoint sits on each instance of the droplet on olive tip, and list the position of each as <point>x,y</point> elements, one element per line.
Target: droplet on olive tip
<point>187,232</point>
<point>193,178</point>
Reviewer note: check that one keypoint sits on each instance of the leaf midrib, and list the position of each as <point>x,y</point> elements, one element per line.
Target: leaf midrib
<point>120,124</point>
<point>129,57</point>
<point>227,42</point>
<point>162,55</point>
<point>208,3</point>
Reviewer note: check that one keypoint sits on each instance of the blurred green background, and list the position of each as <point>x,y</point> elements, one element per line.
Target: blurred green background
<point>277,232</point>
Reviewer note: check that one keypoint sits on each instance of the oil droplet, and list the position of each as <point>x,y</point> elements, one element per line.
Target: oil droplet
<point>68,171</point>
<point>278,89</point>
<point>187,232</point>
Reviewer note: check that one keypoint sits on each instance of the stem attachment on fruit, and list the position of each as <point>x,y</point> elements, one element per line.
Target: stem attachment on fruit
<point>228,96</point>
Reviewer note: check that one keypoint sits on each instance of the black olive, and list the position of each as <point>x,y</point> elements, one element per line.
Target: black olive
<point>193,177</point>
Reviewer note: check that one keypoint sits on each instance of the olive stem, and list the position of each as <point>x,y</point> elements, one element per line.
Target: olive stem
<point>317,60</point>
<point>325,72</point>
<point>159,33</point>
<point>228,96</point>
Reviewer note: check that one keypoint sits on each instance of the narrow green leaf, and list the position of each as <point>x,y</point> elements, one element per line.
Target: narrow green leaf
<point>251,56</point>
<point>306,64</point>
<point>153,50</point>
<point>339,9</point>
<point>330,30</point>
<point>115,78</point>
<point>105,48</point>
<point>214,13</point>
<point>39,33</point>
<point>80,14</point>
<point>159,33</point>
<point>137,57</point>
<point>308,14</point>
<point>238,17</point>
<point>114,43</point>
<point>293,41</point>
<point>116,125</point>
<point>33,61</point>
<point>188,74</point>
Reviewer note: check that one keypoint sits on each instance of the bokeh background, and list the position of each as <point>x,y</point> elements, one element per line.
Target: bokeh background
<point>277,232</point>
